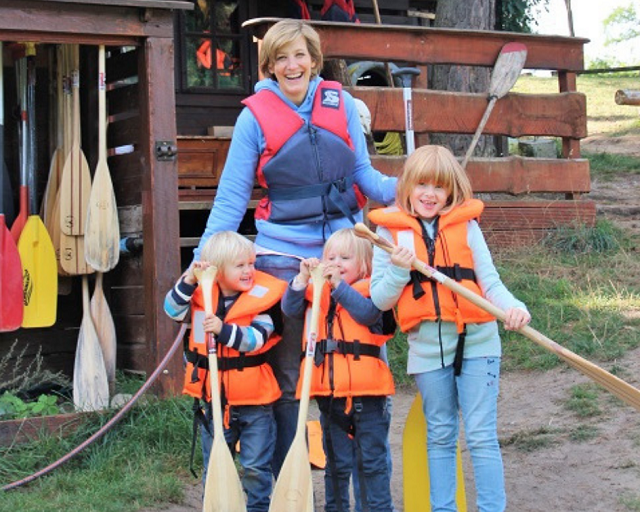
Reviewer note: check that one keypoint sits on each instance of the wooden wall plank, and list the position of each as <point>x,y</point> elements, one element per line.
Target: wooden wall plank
<point>425,45</point>
<point>562,115</point>
<point>513,175</point>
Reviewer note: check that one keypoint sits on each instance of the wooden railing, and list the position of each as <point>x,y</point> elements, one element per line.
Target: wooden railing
<point>524,217</point>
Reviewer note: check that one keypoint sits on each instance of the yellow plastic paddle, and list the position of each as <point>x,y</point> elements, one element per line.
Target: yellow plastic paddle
<point>415,468</point>
<point>293,491</point>
<point>222,490</point>
<point>102,232</point>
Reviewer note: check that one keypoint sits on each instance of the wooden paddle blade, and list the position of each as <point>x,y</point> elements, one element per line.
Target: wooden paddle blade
<point>293,491</point>
<point>75,189</point>
<point>102,232</point>
<point>90,384</point>
<point>223,490</point>
<point>51,190</point>
<point>40,274</point>
<point>11,298</point>
<point>415,467</point>
<point>507,69</point>
<point>105,329</point>
<point>72,258</point>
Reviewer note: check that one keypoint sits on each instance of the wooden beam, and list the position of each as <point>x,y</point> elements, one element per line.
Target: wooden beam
<point>426,45</point>
<point>161,259</point>
<point>22,20</point>
<point>561,115</point>
<point>513,175</point>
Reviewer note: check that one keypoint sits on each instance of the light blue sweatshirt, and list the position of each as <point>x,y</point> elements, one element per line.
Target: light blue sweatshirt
<point>238,177</point>
<point>432,345</point>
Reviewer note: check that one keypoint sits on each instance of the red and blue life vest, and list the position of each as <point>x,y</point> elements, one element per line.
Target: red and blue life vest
<point>306,167</point>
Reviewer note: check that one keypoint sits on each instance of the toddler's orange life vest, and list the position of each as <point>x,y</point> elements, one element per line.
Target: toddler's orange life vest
<point>347,362</point>
<point>244,377</point>
<point>451,255</point>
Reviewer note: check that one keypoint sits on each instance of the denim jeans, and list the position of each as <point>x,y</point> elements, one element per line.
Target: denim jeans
<point>285,361</point>
<point>371,433</point>
<point>475,393</point>
<point>254,427</point>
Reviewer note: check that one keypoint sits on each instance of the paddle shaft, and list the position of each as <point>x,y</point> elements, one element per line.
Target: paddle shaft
<point>623,390</point>
<point>507,68</point>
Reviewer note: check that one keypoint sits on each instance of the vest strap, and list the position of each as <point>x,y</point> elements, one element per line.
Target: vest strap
<point>355,348</point>
<point>308,191</point>
<point>226,363</point>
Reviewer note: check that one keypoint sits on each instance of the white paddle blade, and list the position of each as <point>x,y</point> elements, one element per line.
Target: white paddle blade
<point>507,69</point>
<point>223,490</point>
<point>293,491</point>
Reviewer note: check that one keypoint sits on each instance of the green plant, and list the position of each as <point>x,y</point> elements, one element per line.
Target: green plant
<point>604,237</point>
<point>12,407</point>
<point>607,165</point>
<point>584,401</point>
<point>531,440</point>
<point>583,433</point>
<point>631,502</point>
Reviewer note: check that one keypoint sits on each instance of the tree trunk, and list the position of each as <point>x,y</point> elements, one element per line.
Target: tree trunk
<point>463,14</point>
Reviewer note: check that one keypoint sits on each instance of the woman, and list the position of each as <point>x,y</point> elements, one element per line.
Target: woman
<point>301,137</point>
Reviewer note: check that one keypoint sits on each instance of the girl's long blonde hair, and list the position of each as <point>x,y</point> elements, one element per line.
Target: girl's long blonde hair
<point>346,241</point>
<point>437,165</point>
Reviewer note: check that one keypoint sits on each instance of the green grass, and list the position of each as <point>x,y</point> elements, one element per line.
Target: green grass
<point>141,462</point>
<point>603,114</point>
<point>607,165</point>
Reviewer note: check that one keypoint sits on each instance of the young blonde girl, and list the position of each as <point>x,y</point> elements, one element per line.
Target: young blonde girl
<point>454,346</point>
<point>350,379</point>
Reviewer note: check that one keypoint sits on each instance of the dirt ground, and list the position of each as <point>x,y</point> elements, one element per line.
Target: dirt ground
<point>554,459</point>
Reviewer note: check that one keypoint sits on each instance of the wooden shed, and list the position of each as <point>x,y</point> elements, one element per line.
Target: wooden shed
<point>138,35</point>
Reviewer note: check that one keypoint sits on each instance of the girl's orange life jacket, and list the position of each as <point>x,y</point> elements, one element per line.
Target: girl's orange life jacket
<point>347,362</point>
<point>452,256</point>
<point>245,378</point>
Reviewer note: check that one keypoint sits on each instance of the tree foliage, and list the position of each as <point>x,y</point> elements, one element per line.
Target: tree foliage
<point>621,25</point>
<point>517,15</point>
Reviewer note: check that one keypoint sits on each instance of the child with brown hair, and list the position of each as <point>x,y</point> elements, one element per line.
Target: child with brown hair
<point>454,346</point>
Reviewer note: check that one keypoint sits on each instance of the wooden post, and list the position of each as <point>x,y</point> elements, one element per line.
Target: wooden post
<point>161,257</point>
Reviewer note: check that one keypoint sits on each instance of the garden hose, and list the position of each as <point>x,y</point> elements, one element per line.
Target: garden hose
<point>107,426</point>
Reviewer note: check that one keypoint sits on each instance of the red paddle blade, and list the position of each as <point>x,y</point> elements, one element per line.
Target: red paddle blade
<point>11,297</point>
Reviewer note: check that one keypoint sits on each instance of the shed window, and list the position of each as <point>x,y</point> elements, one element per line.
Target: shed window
<point>212,51</point>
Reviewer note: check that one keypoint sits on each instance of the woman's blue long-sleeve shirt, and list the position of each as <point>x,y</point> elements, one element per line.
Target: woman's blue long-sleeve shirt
<point>239,173</point>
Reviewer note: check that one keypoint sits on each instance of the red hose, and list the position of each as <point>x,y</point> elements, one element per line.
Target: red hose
<point>107,426</point>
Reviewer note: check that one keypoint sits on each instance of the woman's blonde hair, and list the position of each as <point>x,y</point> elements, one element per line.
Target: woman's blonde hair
<point>437,165</point>
<point>225,248</point>
<point>346,241</point>
<point>283,33</point>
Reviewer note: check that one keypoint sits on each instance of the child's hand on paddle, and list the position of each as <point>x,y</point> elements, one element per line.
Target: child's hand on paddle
<point>332,274</point>
<point>212,324</point>
<point>306,266</point>
<point>189,274</point>
<point>516,318</point>
<point>402,257</point>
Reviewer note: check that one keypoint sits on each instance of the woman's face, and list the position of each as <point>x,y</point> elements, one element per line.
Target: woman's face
<point>292,68</point>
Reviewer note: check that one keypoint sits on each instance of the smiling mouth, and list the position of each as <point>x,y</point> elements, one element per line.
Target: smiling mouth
<point>295,77</point>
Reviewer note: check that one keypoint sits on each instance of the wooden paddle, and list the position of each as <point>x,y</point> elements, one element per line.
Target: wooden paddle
<point>222,490</point>
<point>58,157</point>
<point>105,329</point>
<point>293,491</point>
<point>90,383</point>
<point>40,279</point>
<point>506,71</point>
<point>415,466</point>
<point>623,390</point>
<point>75,186</point>
<point>102,232</point>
